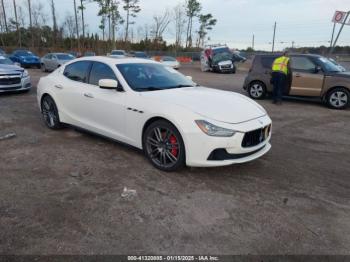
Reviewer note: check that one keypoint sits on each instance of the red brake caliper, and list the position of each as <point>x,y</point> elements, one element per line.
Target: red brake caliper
<point>173,141</point>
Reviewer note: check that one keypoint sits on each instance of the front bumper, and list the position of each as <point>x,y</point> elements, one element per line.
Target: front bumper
<point>201,147</point>
<point>23,86</point>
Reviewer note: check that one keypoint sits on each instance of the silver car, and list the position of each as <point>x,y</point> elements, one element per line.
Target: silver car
<point>13,77</point>
<point>52,61</point>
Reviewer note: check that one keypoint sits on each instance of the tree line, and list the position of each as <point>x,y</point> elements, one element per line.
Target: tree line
<point>27,24</point>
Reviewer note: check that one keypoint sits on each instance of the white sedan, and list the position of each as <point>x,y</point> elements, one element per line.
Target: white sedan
<point>155,108</point>
<point>170,62</point>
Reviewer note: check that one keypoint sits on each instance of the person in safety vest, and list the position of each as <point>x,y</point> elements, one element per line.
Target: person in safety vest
<point>280,72</point>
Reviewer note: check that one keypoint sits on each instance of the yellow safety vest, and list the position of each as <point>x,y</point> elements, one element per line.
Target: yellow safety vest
<point>281,65</point>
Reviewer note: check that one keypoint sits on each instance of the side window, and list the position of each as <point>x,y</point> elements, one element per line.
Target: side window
<point>302,63</point>
<point>77,71</point>
<point>267,61</point>
<point>49,56</point>
<point>100,71</point>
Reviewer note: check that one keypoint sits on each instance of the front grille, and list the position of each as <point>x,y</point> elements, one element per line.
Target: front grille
<point>256,137</point>
<point>4,80</point>
<point>226,66</point>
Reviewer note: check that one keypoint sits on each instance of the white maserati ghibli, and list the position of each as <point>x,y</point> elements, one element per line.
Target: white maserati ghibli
<point>157,109</point>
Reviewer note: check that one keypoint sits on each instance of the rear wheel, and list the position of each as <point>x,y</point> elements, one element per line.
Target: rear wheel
<point>338,98</point>
<point>50,113</point>
<point>257,90</point>
<point>163,146</point>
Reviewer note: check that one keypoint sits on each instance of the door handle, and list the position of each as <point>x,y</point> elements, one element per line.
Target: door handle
<point>88,95</point>
<point>59,86</point>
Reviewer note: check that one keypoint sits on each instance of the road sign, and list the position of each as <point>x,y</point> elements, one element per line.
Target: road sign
<point>339,17</point>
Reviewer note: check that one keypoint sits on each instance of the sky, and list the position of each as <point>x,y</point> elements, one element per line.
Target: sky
<point>306,22</point>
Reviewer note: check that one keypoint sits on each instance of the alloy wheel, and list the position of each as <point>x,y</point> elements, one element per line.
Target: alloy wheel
<point>163,147</point>
<point>256,90</point>
<point>49,112</point>
<point>338,99</point>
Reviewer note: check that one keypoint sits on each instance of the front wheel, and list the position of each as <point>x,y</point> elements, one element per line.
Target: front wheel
<point>50,113</point>
<point>338,98</point>
<point>163,146</point>
<point>257,90</point>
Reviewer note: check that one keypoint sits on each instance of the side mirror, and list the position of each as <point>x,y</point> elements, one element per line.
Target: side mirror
<point>318,69</point>
<point>108,84</point>
<point>190,77</point>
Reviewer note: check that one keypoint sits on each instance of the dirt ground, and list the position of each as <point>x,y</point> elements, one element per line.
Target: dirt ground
<point>60,191</point>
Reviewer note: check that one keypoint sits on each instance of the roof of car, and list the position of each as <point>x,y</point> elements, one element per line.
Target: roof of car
<point>113,60</point>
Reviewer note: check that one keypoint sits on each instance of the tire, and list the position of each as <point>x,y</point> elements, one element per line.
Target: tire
<point>38,66</point>
<point>164,146</point>
<point>338,98</point>
<point>50,113</point>
<point>257,90</point>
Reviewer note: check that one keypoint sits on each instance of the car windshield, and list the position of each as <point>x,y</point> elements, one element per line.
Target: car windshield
<point>24,53</point>
<point>222,57</point>
<point>329,66</point>
<point>152,77</point>
<point>118,53</point>
<point>64,57</point>
<point>5,61</point>
<point>168,59</point>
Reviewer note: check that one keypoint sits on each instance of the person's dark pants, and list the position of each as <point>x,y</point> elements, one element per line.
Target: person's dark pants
<point>279,81</point>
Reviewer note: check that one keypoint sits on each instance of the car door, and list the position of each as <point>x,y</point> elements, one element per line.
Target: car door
<point>53,62</point>
<point>46,61</point>
<point>306,80</point>
<point>107,108</point>
<point>69,90</point>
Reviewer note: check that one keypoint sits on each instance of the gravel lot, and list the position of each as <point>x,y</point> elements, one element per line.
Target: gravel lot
<point>60,191</point>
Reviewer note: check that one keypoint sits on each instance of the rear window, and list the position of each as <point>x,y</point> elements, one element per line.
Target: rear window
<point>267,61</point>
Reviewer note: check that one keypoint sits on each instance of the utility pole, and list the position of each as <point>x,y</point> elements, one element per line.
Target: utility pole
<point>4,12</point>
<point>17,25</point>
<point>253,42</point>
<point>76,23</point>
<point>31,23</point>
<point>340,30</point>
<point>273,40</point>
<point>293,44</point>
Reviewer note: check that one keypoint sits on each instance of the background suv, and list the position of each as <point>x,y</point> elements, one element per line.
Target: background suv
<point>312,76</point>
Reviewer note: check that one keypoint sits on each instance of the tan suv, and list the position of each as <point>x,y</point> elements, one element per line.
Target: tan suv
<point>312,76</point>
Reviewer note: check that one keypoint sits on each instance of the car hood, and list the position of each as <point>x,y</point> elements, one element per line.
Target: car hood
<point>10,68</point>
<point>343,74</point>
<point>223,106</point>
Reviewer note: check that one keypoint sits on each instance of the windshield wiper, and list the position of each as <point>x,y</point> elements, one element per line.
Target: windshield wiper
<point>179,86</point>
<point>148,88</point>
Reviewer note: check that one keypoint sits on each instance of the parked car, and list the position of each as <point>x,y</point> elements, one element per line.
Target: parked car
<point>89,53</point>
<point>236,57</point>
<point>118,54</point>
<point>217,58</point>
<point>312,76</point>
<point>52,61</point>
<point>170,62</point>
<point>75,54</point>
<point>13,77</point>
<point>25,58</point>
<point>149,106</point>
<point>341,68</point>
<point>139,54</point>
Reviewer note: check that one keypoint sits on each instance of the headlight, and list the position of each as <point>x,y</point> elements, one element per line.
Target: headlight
<point>213,130</point>
<point>25,74</point>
